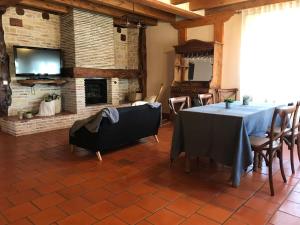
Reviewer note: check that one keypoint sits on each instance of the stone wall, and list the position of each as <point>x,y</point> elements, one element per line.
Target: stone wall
<point>36,32</point>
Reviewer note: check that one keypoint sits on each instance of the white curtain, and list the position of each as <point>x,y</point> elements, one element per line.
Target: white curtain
<point>270,53</point>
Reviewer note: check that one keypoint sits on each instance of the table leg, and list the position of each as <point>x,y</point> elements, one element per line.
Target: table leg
<point>187,164</point>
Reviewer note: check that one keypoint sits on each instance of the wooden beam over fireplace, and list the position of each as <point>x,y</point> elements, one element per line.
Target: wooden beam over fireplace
<point>80,72</point>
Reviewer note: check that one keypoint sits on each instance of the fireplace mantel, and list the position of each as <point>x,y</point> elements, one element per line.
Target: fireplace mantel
<point>80,72</point>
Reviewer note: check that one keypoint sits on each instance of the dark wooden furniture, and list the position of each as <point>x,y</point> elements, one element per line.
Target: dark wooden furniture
<point>206,99</point>
<point>222,94</point>
<point>178,103</point>
<point>191,49</point>
<point>292,136</point>
<point>270,147</point>
<point>32,82</point>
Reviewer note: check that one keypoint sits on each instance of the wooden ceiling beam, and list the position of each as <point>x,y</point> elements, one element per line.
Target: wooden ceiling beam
<point>8,2</point>
<point>135,8</point>
<point>206,20</point>
<point>144,20</point>
<point>168,8</point>
<point>177,2</point>
<point>44,6</point>
<point>89,6</point>
<point>204,4</point>
<point>243,5</point>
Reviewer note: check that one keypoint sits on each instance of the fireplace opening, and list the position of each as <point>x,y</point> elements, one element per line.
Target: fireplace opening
<point>95,91</point>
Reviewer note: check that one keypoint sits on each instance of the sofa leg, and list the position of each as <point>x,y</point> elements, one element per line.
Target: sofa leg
<point>156,138</point>
<point>72,148</point>
<point>99,156</point>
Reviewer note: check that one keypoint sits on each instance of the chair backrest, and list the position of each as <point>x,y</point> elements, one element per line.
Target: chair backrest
<point>227,93</point>
<point>295,119</point>
<point>178,103</point>
<point>282,113</point>
<point>206,99</point>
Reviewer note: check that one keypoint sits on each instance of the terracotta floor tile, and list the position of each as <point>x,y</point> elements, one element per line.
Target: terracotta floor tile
<point>251,216</point>
<point>49,188</point>
<point>46,175</point>
<point>101,209</point>
<point>152,203</point>
<point>124,199</point>
<point>97,195</point>
<point>197,219</point>
<point>228,201</point>
<point>21,222</point>
<point>47,216</point>
<point>215,212</point>
<point>281,218</point>
<point>142,189</point>
<point>4,204</point>
<point>78,219</point>
<point>233,221</point>
<point>49,200</point>
<point>74,205</point>
<point>168,194</point>
<point>133,214</point>
<point>111,220</point>
<point>23,196</point>
<point>262,205</point>
<point>183,207</point>
<point>144,222</point>
<point>294,197</point>
<point>72,192</point>
<point>165,217</point>
<point>290,208</point>
<point>20,211</point>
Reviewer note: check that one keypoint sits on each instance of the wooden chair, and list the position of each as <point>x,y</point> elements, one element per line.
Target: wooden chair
<point>227,93</point>
<point>292,136</point>
<point>270,147</point>
<point>178,103</point>
<point>206,99</point>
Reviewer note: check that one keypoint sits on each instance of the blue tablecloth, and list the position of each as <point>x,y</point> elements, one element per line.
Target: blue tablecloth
<point>221,134</point>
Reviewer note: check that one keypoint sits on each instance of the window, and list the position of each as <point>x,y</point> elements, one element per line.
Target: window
<point>270,53</point>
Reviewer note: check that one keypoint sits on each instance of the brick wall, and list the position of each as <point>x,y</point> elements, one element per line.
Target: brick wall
<point>35,32</point>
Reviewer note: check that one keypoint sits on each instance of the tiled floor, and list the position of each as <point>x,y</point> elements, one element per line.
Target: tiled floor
<point>42,182</point>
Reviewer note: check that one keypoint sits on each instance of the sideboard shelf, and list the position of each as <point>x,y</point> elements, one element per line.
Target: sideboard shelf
<point>32,82</point>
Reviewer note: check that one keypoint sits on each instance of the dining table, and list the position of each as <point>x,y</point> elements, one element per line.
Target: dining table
<point>221,134</point>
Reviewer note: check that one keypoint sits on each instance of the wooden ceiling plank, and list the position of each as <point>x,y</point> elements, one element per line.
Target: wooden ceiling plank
<point>206,20</point>
<point>177,2</point>
<point>204,4</point>
<point>168,8</point>
<point>89,6</point>
<point>8,2</point>
<point>241,6</point>
<point>46,6</point>
<point>137,9</point>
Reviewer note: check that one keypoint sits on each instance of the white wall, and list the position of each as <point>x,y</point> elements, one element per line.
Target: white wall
<point>161,40</point>
<point>231,52</point>
<point>203,33</point>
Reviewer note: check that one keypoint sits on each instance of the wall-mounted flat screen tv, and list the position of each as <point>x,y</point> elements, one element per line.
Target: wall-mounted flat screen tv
<point>31,61</point>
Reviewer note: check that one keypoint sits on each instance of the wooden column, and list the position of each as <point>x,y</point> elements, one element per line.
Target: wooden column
<point>218,55</point>
<point>5,91</point>
<point>182,36</point>
<point>143,61</point>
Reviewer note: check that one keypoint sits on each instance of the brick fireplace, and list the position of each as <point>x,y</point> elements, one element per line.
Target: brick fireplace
<point>87,40</point>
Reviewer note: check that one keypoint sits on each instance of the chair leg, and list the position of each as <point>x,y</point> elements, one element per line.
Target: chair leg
<point>99,156</point>
<point>298,147</point>
<point>156,138</point>
<point>260,159</point>
<point>281,166</point>
<point>292,158</point>
<point>72,148</point>
<point>255,159</point>
<point>271,176</point>
<point>187,164</point>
